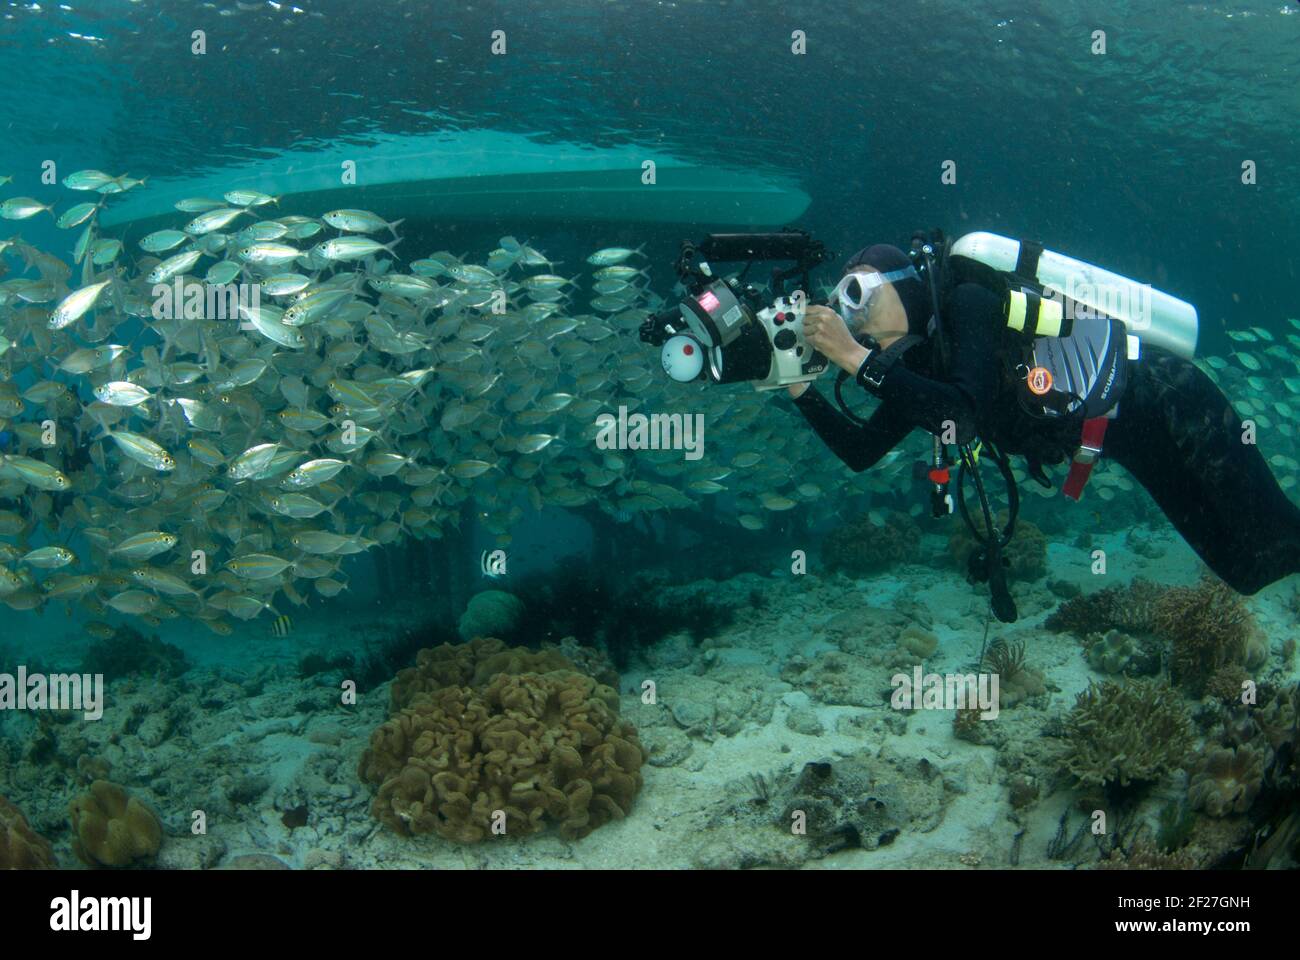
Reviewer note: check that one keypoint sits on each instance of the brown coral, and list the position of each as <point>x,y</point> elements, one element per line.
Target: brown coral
<point>21,848</point>
<point>112,828</point>
<point>469,664</point>
<point>1208,627</point>
<point>1145,855</point>
<point>862,546</point>
<point>1124,733</point>
<point>1131,608</point>
<point>1228,780</point>
<point>531,748</point>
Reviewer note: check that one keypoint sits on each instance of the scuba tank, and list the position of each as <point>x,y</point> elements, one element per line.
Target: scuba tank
<point>1072,325</point>
<point>1072,328</point>
<point>1154,317</point>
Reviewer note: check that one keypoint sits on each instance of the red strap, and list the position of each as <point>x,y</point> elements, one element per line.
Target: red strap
<point>1094,431</point>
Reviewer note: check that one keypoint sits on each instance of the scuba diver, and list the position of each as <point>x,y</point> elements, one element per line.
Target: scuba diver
<point>938,354</point>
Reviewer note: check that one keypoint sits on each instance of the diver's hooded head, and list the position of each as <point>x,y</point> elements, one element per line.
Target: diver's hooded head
<point>911,291</point>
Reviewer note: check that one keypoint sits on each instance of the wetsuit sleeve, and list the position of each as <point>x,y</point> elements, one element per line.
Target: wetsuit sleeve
<point>972,317</point>
<point>860,446</point>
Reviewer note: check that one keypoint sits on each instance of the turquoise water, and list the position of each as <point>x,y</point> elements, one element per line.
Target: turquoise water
<point>1131,159</point>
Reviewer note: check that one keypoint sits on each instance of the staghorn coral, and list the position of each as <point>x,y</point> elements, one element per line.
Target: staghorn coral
<point>1130,608</point>
<point>1228,780</point>
<point>1026,554</point>
<point>21,847</point>
<point>1227,684</point>
<point>540,748</point>
<point>112,828</point>
<point>1120,734</point>
<point>862,546</point>
<point>1208,627</point>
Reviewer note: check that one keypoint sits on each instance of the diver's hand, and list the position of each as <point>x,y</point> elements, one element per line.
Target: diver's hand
<point>797,390</point>
<point>826,333</point>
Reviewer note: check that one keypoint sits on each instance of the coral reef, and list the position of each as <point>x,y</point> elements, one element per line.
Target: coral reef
<point>128,651</point>
<point>492,613</point>
<point>1016,680</point>
<point>1227,780</point>
<point>523,751</point>
<point>21,847</point>
<point>1208,626</point>
<point>837,678</point>
<point>1116,652</point>
<point>112,828</point>
<point>861,546</point>
<point>1026,554</point>
<point>860,802</point>
<point>1205,627</point>
<point>1227,683</point>
<point>469,664</point>
<point>1130,608</point>
<point>1146,856</point>
<point>1125,733</point>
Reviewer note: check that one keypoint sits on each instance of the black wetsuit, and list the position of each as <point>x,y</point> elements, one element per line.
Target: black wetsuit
<point>1176,433</point>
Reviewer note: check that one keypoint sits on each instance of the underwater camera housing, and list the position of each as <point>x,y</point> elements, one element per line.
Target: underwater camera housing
<point>723,331</point>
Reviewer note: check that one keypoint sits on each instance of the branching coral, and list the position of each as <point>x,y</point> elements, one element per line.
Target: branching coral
<point>1228,780</point>
<point>1208,627</point>
<point>21,847</point>
<point>524,751</point>
<point>863,546</point>
<point>1125,733</point>
<point>1130,608</point>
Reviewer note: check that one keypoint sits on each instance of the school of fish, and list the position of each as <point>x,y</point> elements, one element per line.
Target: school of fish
<point>180,462</point>
<point>166,463</point>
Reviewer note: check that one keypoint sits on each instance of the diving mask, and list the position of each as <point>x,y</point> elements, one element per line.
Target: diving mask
<point>854,291</point>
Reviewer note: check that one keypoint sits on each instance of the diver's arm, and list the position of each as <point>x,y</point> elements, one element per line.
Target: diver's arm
<point>860,446</point>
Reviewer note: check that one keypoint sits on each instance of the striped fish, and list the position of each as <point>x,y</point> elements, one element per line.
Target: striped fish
<point>281,626</point>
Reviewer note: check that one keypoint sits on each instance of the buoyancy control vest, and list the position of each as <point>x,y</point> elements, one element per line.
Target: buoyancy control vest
<point>1071,330</point>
